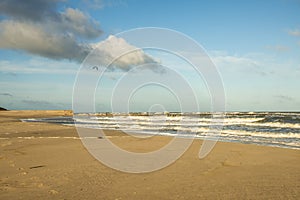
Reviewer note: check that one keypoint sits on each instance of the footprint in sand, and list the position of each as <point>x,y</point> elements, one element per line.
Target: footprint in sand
<point>4,144</point>
<point>6,188</point>
<point>53,192</point>
<point>11,163</point>
<point>24,173</point>
<point>230,163</point>
<point>2,157</point>
<point>39,185</point>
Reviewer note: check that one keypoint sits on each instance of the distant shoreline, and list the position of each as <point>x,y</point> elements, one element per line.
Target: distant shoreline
<point>266,129</point>
<point>3,109</point>
<point>135,112</point>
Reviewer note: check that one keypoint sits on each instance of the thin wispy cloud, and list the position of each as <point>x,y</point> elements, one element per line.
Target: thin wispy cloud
<point>6,94</point>
<point>284,98</point>
<point>42,104</point>
<point>38,66</point>
<point>100,4</point>
<point>94,4</point>
<point>295,32</point>
<point>233,63</point>
<point>254,63</point>
<point>278,48</point>
<point>236,60</point>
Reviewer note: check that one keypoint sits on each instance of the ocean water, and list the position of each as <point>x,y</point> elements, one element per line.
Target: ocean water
<point>280,129</point>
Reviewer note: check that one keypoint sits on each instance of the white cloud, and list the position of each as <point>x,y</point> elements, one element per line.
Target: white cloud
<point>37,40</point>
<point>225,60</point>
<point>255,64</point>
<point>118,51</point>
<point>33,10</point>
<point>79,24</point>
<point>37,27</point>
<point>244,65</point>
<point>104,53</point>
<point>61,35</point>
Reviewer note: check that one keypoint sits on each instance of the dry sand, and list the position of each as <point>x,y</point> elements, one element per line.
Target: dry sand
<point>36,164</point>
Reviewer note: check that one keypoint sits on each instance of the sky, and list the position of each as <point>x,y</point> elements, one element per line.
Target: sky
<point>254,45</point>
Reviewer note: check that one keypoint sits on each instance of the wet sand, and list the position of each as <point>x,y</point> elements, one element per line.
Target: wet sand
<point>48,161</point>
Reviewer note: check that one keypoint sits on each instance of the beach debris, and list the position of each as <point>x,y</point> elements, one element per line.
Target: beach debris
<point>38,166</point>
<point>53,192</point>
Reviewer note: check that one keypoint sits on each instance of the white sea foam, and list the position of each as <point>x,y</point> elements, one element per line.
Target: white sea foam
<point>275,125</point>
<point>248,127</point>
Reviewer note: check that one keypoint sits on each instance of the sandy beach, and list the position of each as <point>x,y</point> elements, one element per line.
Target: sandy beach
<point>48,161</point>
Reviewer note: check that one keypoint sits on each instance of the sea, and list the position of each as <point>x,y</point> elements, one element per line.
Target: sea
<point>278,129</point>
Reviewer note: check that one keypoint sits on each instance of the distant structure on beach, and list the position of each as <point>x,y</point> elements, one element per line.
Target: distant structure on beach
<point>2,109</point>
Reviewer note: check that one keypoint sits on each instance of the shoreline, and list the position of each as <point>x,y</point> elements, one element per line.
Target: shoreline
<point>260,138</point>
<point>61,168</point>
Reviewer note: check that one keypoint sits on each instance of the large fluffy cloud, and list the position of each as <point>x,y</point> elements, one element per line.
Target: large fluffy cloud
<point>37,40</point>
<point>37,27</point>
<point>119,53</point>
<point>33,10</point>
<point>74,21</point>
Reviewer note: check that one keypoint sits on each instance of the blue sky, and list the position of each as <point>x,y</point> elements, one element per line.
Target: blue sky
<point>254,44</point>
